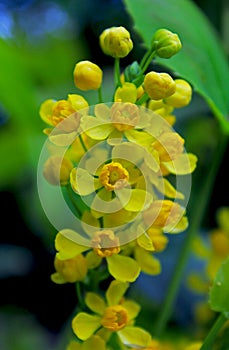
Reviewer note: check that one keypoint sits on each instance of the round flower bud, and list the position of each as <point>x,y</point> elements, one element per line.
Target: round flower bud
<point>159,85</point>
<point>182,95</point>
<point>87,76</point>
<point>70,270</point>
<point>165,43</point>
<point>116,42</point>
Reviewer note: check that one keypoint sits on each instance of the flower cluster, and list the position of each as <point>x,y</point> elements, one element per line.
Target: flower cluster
<point>119,162</point>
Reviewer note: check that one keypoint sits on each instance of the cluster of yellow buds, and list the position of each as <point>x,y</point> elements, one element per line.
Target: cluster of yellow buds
<point>117,159</point>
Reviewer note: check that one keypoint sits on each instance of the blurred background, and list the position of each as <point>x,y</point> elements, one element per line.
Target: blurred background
<point>40,42</point>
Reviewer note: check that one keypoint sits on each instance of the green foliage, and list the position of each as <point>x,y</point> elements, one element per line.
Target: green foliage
<point>201,61</point>
<point>219,292</point>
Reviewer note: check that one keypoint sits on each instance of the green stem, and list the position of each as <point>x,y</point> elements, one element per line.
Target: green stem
<point>142,99</point>
<point>209,340</point>
<point>100,95</point>
<point>117,72</point>
<point>80,295</point>
<point>148,61</point>
<point>70,195</point>
<point>195,224</point>
<point>82,143</point>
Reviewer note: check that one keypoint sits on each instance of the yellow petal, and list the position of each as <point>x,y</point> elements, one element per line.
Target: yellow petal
<point>182,165</point>
<point>82,182</point>
<point>94,343</point>
<point>46,111</point>
<point>134,336</point>
<point>140,137</point>
<point>170,191</point>
<point>128,274</point>
<point>102,111</point>
<point>132,308</point>
<point>134,200</point>
<point>65,244</point>
<point>148,263</point>
<point>115,292</point>
<point>145,242</point>
<point>181,226</point>
<point>84,325</point>
<point>73,345</point>
<point>93,260</point>
<point>128,151</point>
<point>62,139</point>
<point>96,128</point>
<point>95,303</point>
<point>57,278</point>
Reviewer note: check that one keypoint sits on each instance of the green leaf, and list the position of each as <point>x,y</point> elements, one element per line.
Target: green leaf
<point>219,292</point>
<point>202,60</point>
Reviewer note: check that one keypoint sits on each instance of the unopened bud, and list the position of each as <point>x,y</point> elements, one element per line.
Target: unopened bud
<point>159,85</point>
<point>116,42</point>
<point>165,43</point>
<point>87,76</point>
<point>182,95</point>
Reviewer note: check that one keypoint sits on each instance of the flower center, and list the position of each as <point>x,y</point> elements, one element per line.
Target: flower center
<point>124,116</point>
<point>115,318</point>
<point>113,176</point>
<point>105,243</point>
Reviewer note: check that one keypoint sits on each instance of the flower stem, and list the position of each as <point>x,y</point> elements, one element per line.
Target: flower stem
<point>195,224</point>
<point>117,72</point>
<point>210,338</point>
<point>147,59</point>
<point>100,95</point>
<point>82,143</point>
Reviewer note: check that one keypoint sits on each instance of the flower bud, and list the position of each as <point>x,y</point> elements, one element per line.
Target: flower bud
<point>165,43</point>
<point>159,85</point>
<point>182,95</point>
<point>70,270</point>
<point>116,42</point>
<point>126,93</point>
<point>87,75</point>
<point>57,170</point>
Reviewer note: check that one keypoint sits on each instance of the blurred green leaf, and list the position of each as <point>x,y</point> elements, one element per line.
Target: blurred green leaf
<point>201,61</point>
<point>219,292</point>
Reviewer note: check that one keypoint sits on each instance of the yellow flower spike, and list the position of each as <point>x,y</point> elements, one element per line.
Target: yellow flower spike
<point>87,76</point>
<point>159,85</point>
<point>126,93</point>
<point>165,43</point>
<point>182,96</point>
<point>57,170</point>
<point>70,270</point>
<point>116,42</point>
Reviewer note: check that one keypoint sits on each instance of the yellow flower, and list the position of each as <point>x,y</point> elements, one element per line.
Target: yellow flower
<point>114,314</point>
<point>116,42</point>
<point>94,342</point>
<point>70,270</point>
<point>164,110</point>
<point>103,244</point>
<point>167,215</point>
<point>112,185</point>
<point>53,112</point>
<point>122,119</point>
<point>182,96</point>
<point>57,170</point>
<point>159,85</point>
<point>165,43</point>
<point>87,76</point>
